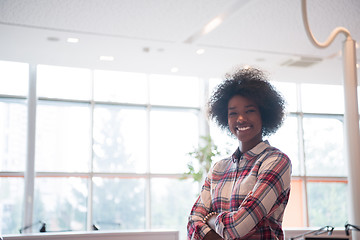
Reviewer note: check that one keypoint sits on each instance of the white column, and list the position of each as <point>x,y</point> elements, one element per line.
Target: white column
<point>29,175</point>
<point>352,137</point>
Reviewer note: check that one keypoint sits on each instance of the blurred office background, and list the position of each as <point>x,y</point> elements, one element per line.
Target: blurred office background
<point>100,102</point>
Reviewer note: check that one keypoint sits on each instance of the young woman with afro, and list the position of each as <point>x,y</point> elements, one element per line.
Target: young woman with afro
<point>244,196</point>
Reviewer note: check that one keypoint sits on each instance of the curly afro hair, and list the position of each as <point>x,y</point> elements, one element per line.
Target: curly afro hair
<point>252,84</point>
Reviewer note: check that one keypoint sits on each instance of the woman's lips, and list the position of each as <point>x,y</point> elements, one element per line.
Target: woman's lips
<point>244,128</point>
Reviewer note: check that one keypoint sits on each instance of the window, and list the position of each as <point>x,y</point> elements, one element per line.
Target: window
<point>164,213</point>
<point>171,90</point>
<point>121,87</point>
<point>63,82</point>
<point>323,139</point>
<point>326,205</point>
<point>63,137</point>
<point>289,92</point>
<point>13,128</point>
<point>100,134</point>
<point>321,170</point>
<point>14,78</point>
<point>317,98</point>
<point>120,139</point>
<point>11,203</point>
<point>172,135</point>
<point>60,202</point>
<point>13,118</point>
<point>119,203</point>
<point>287,140</point>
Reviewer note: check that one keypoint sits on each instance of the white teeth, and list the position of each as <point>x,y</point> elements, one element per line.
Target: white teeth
<point>242,128</point>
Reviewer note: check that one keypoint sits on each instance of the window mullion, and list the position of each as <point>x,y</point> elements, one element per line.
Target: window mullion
<point>302,156</point>
<point>148,163</point>
<point>91,172</point>
<point>204,95</point>
<point>29,175</point>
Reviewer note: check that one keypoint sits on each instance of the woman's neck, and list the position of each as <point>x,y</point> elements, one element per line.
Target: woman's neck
<point>244,147</point>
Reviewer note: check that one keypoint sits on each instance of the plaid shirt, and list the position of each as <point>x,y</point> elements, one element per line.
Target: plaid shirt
<point>250,193</point>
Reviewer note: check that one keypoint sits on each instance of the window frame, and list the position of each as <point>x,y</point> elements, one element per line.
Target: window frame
<point>29,174</point>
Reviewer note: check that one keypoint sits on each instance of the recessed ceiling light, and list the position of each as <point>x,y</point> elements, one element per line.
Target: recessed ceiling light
<point>212,25</point>
<point>107,58</point>
<point>53,39</point>
<point>200,51</point>
<point>260,59</point>
<point>72,40</point>
<point>174,70</point>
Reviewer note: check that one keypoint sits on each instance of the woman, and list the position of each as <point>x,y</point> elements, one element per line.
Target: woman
<point>244,196</point>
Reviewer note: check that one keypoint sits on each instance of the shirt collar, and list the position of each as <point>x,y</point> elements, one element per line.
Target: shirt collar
<point>259,148</point>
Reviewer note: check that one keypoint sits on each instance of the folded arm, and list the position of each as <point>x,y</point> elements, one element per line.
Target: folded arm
<point>270,191</point>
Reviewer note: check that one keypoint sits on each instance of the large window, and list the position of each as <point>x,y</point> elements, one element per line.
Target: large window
<point>315,126</point>
<point>13,131</point>
<point>111,147</point>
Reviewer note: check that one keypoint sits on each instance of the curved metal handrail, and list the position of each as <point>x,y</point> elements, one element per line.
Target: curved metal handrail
<point>311,36</point>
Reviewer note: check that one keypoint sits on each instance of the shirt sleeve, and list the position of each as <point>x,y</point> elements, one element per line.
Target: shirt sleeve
<point>270,191</point>
<point>196,228</point>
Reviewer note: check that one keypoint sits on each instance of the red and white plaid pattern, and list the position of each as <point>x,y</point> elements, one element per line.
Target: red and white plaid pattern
<point>250,193</point>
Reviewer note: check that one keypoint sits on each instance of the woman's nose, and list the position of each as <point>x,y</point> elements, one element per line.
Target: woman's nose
<point>240,119</point>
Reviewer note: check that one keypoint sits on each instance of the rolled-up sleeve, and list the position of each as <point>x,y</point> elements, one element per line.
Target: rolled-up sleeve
<point>196,228</point>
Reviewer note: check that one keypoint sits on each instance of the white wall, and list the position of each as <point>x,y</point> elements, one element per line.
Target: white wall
<point>98,235</point>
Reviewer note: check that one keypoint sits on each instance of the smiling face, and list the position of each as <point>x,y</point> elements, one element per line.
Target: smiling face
<point>244,121</point>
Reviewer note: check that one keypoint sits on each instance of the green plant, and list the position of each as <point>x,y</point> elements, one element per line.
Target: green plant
<point>204,156</point>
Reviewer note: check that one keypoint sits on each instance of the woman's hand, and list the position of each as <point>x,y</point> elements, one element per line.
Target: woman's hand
<point>212,235</point>
<point>211,221</point>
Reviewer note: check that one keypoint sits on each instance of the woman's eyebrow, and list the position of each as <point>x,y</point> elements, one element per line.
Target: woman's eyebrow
<point>251,105</point>
<point>247,106</point>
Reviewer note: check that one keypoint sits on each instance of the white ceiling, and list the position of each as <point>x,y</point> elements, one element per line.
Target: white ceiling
<point>152,36</point>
